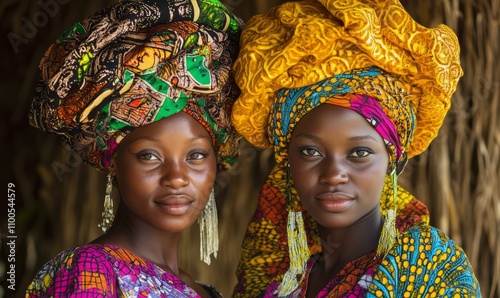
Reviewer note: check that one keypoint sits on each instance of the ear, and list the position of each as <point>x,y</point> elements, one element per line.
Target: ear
<point>112,171</point>
<point>399,167</point>
<point>112,167</point>
<point>389,169</point>
<point>391,165</point>
<point>403,161</point>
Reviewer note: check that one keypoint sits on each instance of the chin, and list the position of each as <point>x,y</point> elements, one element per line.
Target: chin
<point>335,224</point>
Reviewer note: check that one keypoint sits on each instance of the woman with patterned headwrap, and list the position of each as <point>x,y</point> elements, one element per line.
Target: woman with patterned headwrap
<point>345,92</point>
<point>143,91</point>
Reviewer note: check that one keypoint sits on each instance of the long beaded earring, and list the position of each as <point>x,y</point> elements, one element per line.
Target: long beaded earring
<point>297,242</point>
<point>107,214</point>
<point>389,232</point>
<point>209,230</point>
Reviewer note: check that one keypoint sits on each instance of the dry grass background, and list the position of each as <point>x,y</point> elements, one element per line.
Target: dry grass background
<point>458,177</point>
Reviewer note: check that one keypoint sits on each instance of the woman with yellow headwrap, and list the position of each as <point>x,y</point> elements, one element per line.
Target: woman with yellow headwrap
<point>143,91</point>
<point>345,92</point>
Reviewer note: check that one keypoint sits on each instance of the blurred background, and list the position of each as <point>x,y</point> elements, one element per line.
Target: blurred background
<point>58,199</point>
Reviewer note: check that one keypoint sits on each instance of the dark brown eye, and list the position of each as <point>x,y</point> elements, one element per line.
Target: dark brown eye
<point>310,152</point>
<point>147,156</point>
<point>198,155</point>
<point>360,152</point>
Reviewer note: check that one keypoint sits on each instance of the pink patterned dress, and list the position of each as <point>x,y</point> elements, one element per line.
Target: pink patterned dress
<point>97,270</point>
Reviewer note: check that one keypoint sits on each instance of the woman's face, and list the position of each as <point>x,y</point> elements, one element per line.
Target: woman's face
<point>165,172</point>
<point>338,163</point>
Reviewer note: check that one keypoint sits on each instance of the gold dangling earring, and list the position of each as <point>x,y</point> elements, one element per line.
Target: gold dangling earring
<point>209,230</point>
<point>298,249</point>
<point>107,214</point>
<point>389,233</point>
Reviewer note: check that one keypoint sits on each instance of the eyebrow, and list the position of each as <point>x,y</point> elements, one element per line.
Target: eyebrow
<point>364,137</point>
<point>307,136</point>
<point>145,138</point>
<point>192,140</point>
<point>153,139</point>
<point>355,138</point>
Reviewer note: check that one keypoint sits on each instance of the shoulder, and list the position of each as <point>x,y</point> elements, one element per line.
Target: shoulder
<point>79,257</point>
<point>88,257</point>
<point>83,268</point>
<point>210,290</point>
<point>424,237</point>
<point>429,241</point>
<point>428,261</point>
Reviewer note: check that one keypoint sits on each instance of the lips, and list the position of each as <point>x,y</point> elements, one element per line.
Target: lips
<point>335,201</point>
<point>175,204</point>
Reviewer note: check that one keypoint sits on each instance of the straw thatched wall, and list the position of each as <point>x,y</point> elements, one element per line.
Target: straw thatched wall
<point>459,177</point>
<point>58,199</point>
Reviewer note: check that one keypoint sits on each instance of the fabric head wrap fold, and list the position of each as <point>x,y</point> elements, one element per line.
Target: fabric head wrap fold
<point>299,44</point>
<point>135,63</point>
<point>371,92</point>
<point>369,56</point>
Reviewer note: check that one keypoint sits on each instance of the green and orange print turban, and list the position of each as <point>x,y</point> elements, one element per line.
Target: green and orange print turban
<point>366,55</point>
<point>135,63</point>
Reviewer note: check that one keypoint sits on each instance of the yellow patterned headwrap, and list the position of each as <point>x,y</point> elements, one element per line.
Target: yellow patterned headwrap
<point>300,43</point>
<point>292,58</point>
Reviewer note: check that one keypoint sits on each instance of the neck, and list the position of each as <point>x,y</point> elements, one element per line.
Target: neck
<point>343,245</point>
<point>145,241</point>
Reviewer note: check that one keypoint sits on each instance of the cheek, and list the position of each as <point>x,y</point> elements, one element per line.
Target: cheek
<point>303,178</point>
<point>211,171</point>
<point>205,177</point>
<point>373,182</point>
<point>131,179</point>
<point>203,182</point>
<point>135,183</point>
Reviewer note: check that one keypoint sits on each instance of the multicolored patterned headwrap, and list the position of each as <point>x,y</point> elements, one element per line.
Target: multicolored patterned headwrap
<point>376,95</point>
<point>135,63</point>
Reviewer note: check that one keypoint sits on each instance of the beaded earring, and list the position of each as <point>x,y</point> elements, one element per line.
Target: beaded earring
<point>297,243</point>
<point>209,230</point>
<point>107,214</point>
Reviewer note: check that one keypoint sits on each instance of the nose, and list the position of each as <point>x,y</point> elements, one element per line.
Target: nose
<point>334,172</point>
<point>174,174</point>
